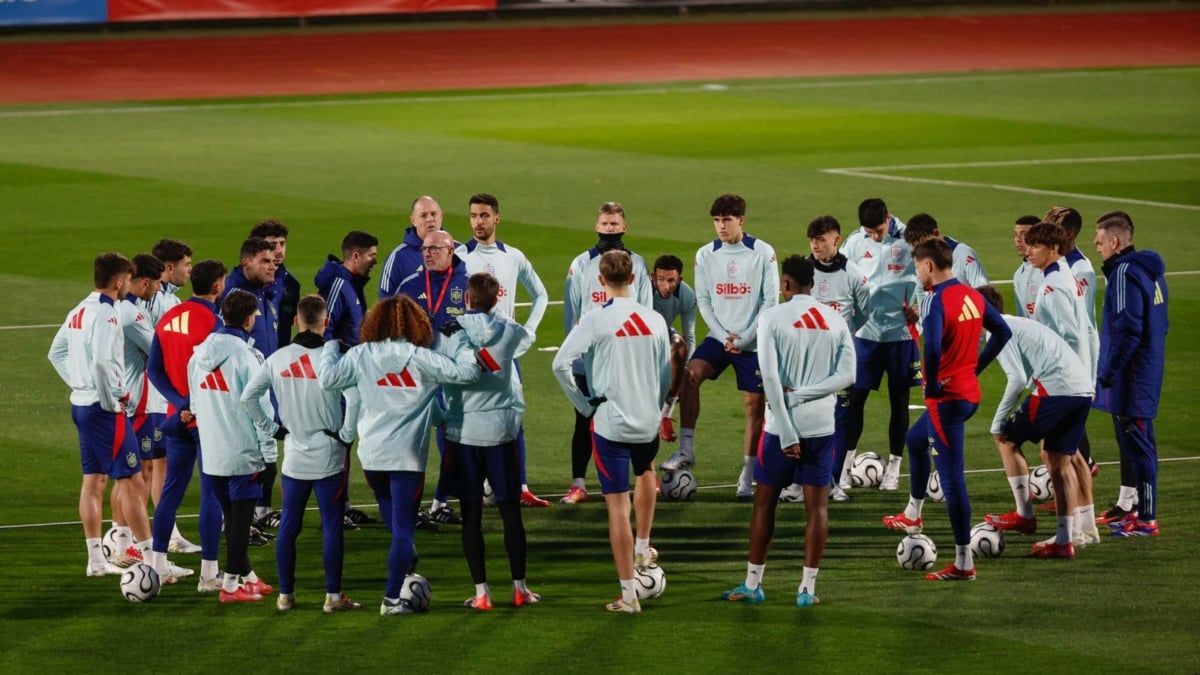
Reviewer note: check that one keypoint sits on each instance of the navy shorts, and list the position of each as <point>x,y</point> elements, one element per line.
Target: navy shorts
<point>745,364</point>
<point>469,465</point>
<point>815,466</point>
<point>106,442</point>
<point>236,488</point>
<point>900,360</point>
<point>150,442</point>
<point>614,457</point>
<point>1059,421</point>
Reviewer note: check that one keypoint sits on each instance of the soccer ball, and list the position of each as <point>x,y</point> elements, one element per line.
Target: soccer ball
<point>649,582</point>
<point>916,552</point>
<point>416,591</point>
<point>140,583</point>
<point>678,486</point>
<point>986,541</point>
<point>108,545</point>
<point>867,470</point>
<point>934,489</point>
<point>1040,487</point>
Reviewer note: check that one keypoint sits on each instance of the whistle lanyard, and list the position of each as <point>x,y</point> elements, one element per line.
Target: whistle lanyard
<point>433,310</point>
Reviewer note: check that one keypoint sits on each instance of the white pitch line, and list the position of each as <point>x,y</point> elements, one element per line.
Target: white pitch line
<point>326,102</point>
<point>1023,162</point>
<point>1009,188</point>
<point>721,486</point>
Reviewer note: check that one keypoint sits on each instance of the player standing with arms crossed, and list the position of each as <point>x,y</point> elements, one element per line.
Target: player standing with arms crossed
<point>806,352</point>
<point>736,278</point>
<point>955,316</point>
<point>626,354</point>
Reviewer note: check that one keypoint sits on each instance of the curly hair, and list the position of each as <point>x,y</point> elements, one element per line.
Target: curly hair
<point>397,317</point>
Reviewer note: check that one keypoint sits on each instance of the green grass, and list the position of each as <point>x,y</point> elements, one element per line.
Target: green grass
<point>77,184</point>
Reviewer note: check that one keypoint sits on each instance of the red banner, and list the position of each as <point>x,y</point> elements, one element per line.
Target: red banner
<point>170,10</point>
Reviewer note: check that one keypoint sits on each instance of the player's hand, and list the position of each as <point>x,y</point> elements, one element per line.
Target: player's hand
<point>792,451</point>
<point>450,328</point>
<point>343,347</point>
<point>596,401</point>
<point>186,416</point>
<point>910,315</point>
<point>337,438</point>
<point>280,433</point>
<point>666,430</point>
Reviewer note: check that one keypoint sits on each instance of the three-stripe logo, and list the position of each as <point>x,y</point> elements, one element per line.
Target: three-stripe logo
<point>400,379</point>
<point>177,324</point>
<point>77,318</point>
<point>301,369</point>
<point>487,361</point>
<point>634,326</point>
<point>215,381</point>
<point>969,311</point>
<point>812,320</point>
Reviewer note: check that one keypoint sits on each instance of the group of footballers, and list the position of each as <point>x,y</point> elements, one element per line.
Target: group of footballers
<point>159,384</point>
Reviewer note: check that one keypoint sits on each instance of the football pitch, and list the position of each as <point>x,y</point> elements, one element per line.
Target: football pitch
<point>975,150</point>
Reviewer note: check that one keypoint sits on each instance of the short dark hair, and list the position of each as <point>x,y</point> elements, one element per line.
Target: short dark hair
<point>206,274</point>
<point>872,212</point>
<point>1067,218</point>
<point>1046,234</point>
<point>310,309</point>
<point>356,240</point>
<point>936,250</point>
<point>612,208</point>
<point>993,297</point>
<point>1117,214</point>
<point>1117,227</point>
<point>728,204</point>
<point>485,199</point>
<point>823,224</point>
<point>616,267</point>
<point>482,290</point>
<point>669,262</point>
<point>171,250</point>
<point>269,228</point>
<point>109,266</point>
<point>146,266</point>
<point>918,228</point>
<point>237,307</point>
<point>1028,220</point>
<point>252,247</point>
<point>800,269</point>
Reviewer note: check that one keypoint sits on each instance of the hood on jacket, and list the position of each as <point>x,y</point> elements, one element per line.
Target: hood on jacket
<point>331,270</point>
<point>411,238</point>
<point>217,348</point>
<point>484,329</point>
<point>236,279</point>
<point>1150,261</point>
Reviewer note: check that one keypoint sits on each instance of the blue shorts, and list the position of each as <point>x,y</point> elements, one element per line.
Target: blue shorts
<point>236,488</point>
<point>815,466</point>
<point>745,364</point>
<point>613,459</point>
<point>469,465</point>
<point>900,360</point>
<point>150,442</point>
<point>1059,421</point>
<point>106,442</point>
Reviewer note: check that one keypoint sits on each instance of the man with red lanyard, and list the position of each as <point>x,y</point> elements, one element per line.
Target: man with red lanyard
<point>440,288</point>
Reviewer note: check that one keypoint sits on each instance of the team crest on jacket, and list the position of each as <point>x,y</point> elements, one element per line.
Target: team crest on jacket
<point>732,270</point>
<point>456,296</point>
<point>489,269</point>
<point>897,252</point>
<point>823,289</point>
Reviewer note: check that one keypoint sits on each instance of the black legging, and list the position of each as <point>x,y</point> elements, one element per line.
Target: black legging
<point>898,397</point>
<point>472,538</point>
<point>238,516</point>
<point>581,440</point>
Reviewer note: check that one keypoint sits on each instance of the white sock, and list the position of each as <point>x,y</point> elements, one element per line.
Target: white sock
<point>144,548</point>
<point>641,546</point>
<point>251,577</point>
<point>209,569</point>
<point>95,553</point>
<point>524,487</point>
<point>124,532</point>
<point>1126,497</point>
<point>260,511</point>
<point>1062,532</point>
<point>1087,517</point>
<point>579,483</point>
<point>1020,490</point>
<point>175,534</point>
<point>331,597</point>
<point>668,408</point>
<point>628,594</point>
<point>436,506</point>
<point>847,465</point>
<point>156,560</point>
<point>808,584</point>
<point>519,585</point>
<point>962,557</point>
<point>754,575</point>
<point>747,476</point>
<point>913,510</point>
<point>894,463</point>
<point>230,584</point>
<point>482,589</point>
<point>686,438</point>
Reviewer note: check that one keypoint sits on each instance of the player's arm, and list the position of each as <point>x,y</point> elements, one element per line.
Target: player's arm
<point>335,373</point>
<point>156,370</point>
<point>999,333</point>
<point>389,284</point>
<point>529,279</point>
<point>60,351</point>
<point>571,297</point>
<point>934,326</point>
<point>860,291</point>
<point>664,365</point>
<point>1010,363</point>
<point>1128,320</point>
<point>106,369</point>
<point>349,428</point>
<point>704,301</point>
<point>642,289</point>
<point>768,363</point>
<point>579,341</point>
<point>140,331</point>
<point>462,369</point>
<point>841,376</point>
<point>687,317</point>
<point>256,388</point>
